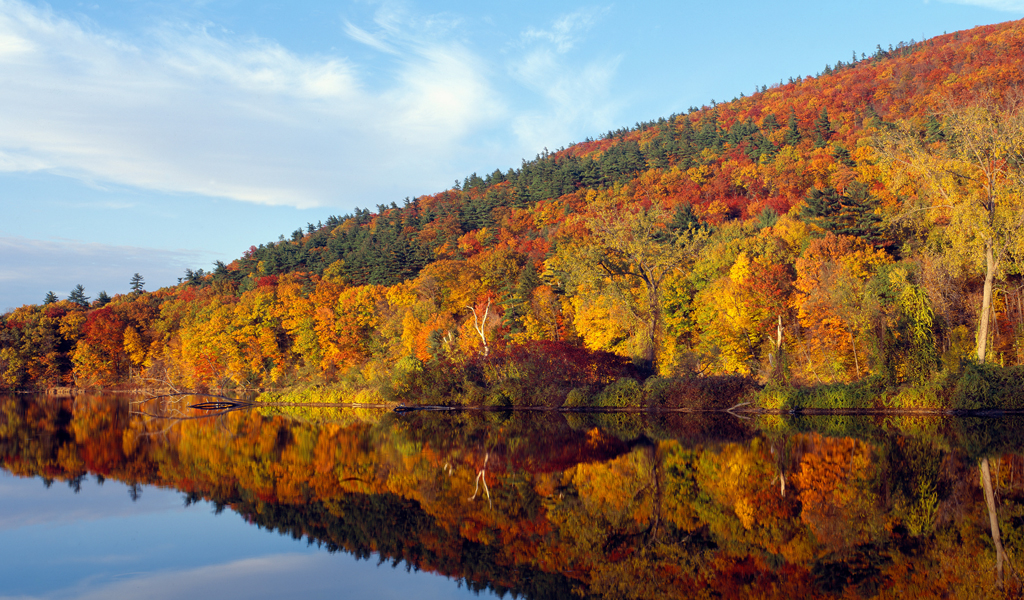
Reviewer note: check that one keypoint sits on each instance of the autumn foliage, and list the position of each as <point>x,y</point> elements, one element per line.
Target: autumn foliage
<point>767,237</point>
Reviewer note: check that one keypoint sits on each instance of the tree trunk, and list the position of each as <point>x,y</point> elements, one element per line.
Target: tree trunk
<point>993,520</point>
<point>986,301</point>
<point>653,325</point>
<point>479,324</point>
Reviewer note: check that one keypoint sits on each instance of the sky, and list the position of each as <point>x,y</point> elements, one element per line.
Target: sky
<point>149,137</point>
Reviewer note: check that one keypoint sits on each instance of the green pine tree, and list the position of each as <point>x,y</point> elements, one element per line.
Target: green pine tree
<point>793,133</point>
<point>843,155</point>
<point>137,284</point>
<point>853,213</point>
<point>78,296</point>
<point>822,129</point>
<point>933,130</point>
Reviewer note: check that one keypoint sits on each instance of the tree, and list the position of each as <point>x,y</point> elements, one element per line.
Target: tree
<point>792,137</point>
<point>50,298</point>
<point>975,182</point>
<point>738,315</point>
<point>835,306</point>
<point>102,299</point>
<point>625,253</point>
<point>822,129</point>
<point>137,283</point>
<point>78,296</point>
<point>851,212</point>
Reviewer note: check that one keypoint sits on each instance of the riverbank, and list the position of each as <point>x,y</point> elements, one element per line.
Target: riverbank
<point>973,388</point>
<point>538,382</point>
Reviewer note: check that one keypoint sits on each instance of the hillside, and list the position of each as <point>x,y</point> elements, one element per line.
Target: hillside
<point>766,237</point>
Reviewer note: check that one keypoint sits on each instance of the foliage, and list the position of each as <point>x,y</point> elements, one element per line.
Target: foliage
<point>974,181</point>
<point>835,396</point>
<point>987,386</point>
<point>828,230</point>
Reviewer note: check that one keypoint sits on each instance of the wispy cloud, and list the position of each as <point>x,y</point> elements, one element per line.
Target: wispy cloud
<point>575,97</point>
<point>1016,6</point>
<point>27,503</point>
<point>567,30</point>
<point>247,119</point>
<point>365,37</point>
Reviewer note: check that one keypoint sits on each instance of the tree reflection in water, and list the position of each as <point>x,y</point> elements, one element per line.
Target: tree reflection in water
<point>617,505</point>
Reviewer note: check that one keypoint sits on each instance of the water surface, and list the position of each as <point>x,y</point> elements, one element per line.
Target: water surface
<point>96,501</point>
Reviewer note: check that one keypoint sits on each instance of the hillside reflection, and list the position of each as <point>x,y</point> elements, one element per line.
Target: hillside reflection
<point>547,505</point>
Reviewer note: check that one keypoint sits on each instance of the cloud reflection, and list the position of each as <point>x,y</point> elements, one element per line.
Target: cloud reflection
<point>26,502</point>
<point>276,576</point>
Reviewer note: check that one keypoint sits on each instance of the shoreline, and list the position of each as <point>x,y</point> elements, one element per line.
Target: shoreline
<point>401,408</point>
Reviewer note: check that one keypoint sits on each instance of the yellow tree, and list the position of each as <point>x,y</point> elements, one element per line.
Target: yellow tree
<point>624,251</point>
<point>974,181</point>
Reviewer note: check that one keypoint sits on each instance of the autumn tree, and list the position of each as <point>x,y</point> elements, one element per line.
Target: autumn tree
<point>625,252</point>
<point>100,355</point>
<point>739,313</point>
<point>974,181</point>
<point>835,306</point>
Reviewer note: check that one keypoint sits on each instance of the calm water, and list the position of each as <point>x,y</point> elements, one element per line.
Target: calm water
<point>96,501</point>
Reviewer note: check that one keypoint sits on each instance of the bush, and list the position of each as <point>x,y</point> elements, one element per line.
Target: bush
<point>925,396</point>
<point>988,386</point>
<point>835,396</point>
<point>577,398</point>
<point>776,397</point>
<point>699,393</point>
<point>623,393</point>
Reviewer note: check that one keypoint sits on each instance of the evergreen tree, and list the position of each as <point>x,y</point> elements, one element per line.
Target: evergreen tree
<point>933,130</point>
<point>823,129</point>
<point>709,135</point>
<point>102,299</point>
<point>78,296</point>
<point>767,218</point>
<point>843,155</point>
<point>50,298</point>
<point>852,213</point>
<point>137,284</point>
<point>793,133</point>
<point>765,147</point>
<point>518,305</point>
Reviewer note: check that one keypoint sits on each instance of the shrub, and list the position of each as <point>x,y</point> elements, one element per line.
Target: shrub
<point>988,386</point>
<point>577,398</point>
<point>700,393</point>
<point>927,395</point>
<point>776,397</point>
<point>623,393</point>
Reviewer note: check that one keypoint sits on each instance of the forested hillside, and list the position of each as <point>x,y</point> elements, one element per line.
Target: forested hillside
<point>834,228</point>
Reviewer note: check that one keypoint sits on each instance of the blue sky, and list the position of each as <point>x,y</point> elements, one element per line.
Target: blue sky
<point>150,137</point>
